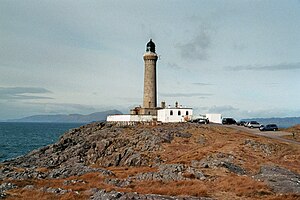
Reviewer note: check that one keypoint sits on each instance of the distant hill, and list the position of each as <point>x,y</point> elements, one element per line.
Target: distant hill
<point>281,122</point>
<point>71,118</point>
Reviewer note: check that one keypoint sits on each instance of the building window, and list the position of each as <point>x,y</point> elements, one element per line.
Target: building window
<point>171,112</point>
<point>187,113</point>
<point>179,113</point>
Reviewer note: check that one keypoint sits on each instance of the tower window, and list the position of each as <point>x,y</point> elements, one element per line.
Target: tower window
<point>171,112</point>
<point>179,112</point>
<point>187,113</point>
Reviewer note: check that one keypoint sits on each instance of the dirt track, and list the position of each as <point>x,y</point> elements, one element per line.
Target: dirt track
<point>269,134</point>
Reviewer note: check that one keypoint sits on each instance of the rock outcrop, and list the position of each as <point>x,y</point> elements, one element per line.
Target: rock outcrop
<point>104,161</point>
<point>279,179</point>
<point>113,195</point>
<point>101,144</point>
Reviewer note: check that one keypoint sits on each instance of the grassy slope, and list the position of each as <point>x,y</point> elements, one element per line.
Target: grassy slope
<point>296,131</point>
<point>205,141</point>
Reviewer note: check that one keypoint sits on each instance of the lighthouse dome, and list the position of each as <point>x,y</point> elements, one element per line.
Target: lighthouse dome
<point>150,46</point>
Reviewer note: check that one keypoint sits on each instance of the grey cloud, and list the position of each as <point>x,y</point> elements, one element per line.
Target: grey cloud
<point>222,109</point>
<point>239,46</point>
<point>185,94</point>
<point>279,67</point>
<point>272,84</point>
<point>18,109</point>
<point>20,93</point>
<point>173,66</point>
<point>197,47</point>
<point>202,84</point>
<point>67,108</point>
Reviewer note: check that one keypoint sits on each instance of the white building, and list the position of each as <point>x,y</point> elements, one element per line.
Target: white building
<point>214,118</point>
<point>176,114</point>
<point>129,118</point>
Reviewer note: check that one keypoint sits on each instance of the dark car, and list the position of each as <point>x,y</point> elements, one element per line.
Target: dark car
<point>241,123</point>
<point>228,121</point>
<point>269,127</point>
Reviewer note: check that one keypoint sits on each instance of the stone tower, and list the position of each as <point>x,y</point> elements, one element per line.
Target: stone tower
<point>150,89</point>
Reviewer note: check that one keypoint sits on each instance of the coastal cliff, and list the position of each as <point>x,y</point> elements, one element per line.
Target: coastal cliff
<point>168,161</point>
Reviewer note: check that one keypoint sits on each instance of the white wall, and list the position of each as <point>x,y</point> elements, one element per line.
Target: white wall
<point>129,118</point>
<point>214,118</point>
<point>164,115</point>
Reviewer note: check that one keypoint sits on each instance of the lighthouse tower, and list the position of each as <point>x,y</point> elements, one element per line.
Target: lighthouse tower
<point>150,88</point>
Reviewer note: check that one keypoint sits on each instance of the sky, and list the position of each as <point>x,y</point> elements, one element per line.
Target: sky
<point>239,58</point>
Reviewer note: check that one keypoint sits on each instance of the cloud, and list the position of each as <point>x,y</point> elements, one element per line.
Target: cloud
<point>173,66</point>
<point>197,47</point>
<point>202,84</point>
<point>65,108</point>
<point>239,46</point>
<point>278,67</point>
<point>21,93</point>
<point>19,109</point>
<point>185,94</point>
<point>222,109</point>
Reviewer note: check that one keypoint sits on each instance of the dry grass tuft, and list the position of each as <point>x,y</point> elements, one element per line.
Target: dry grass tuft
<point>296,131</point>
<point>242,186</point>
<point>125,172</point>
<point>175,188</point>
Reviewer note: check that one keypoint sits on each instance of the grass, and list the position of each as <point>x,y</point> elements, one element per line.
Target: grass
<point>220,183</point>
<point>174,188</point>
<point>294,129</point>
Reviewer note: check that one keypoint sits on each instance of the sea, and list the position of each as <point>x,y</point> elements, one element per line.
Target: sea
<point>17,138</point>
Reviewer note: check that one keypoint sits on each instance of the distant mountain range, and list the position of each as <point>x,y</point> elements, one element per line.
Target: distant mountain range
<point>281,122</point>
<point>71,118</point>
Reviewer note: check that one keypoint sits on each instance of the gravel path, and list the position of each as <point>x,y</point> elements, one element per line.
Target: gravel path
<point>269,134</point>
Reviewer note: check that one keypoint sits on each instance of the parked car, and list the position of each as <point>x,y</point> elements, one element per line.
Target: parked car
<point>269,127</point>
<point>200,119</point>
<point>240,123</point>
<point>253,124</point>
<point>228,121</point>
<point>246,124</point>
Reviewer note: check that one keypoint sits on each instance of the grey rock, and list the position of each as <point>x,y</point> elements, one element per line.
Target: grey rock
<point>219,160</point>
<point>28,187</point>
<point>76,169</point>
<point>183,135</point>
<point>233,168</point>
<point>118,182</point>
<point>58,191</point>
<point>267,149</point>
<point>167,172</point>
<point>202,140</point>
<point>4,187</point>
<point>198,174</point>
<point>281,180</point>
<point>172,172</point>
<point>27,173</point>
<point>102,144</point>
<point>74,181</point>
<point>113,195</point>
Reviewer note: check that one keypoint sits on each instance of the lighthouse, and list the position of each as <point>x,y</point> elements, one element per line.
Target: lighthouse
<point>149,111</point>
<point>150,86</point>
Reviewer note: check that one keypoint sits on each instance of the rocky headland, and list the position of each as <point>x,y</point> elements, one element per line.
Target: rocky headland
<point>167,161</point>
